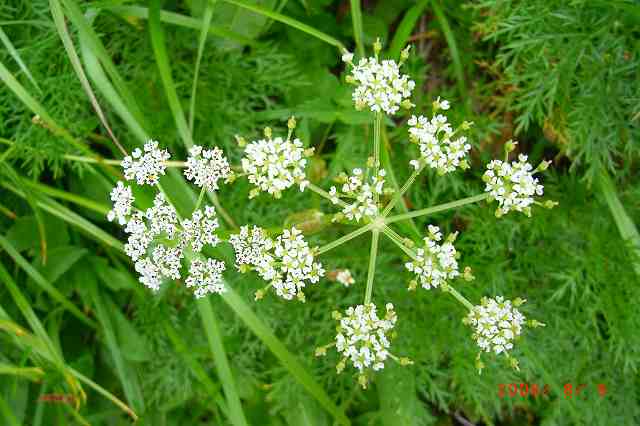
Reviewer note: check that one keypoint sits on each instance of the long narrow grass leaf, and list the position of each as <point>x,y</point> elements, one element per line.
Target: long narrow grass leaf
<point>88,35</point>
<point>626,227</point>
<point>288,21</point>
<point>162,60</point>
<point>16,57</point>
<point>206,23</point>
<point>210,323</point>
<point>405,28</point>
<point>30,373</point>
<point>63,32</point>
<point>43,283</point>
<point>455,53</point>
<point>127,377</point>
<point>356,20</point>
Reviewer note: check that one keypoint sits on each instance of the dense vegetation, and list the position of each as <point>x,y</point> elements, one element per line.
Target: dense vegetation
<point>561,77</point>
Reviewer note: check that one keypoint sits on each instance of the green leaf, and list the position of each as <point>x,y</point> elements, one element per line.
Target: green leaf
<point>61,260</point>
<point>627,228</point>
<point>206,23</point>
<point>404,30</point>
<point>31,373</point>
<point>356,20</point>
<point>210,323</point>
<point>125,372</point>
<point>23,234</point>
<point>16,57</point>
<point>162,60</point>
<point>289,21</point>
<point>43,283</point>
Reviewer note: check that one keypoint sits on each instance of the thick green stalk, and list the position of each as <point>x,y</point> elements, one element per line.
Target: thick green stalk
<point>356,20</point>
<point>375,236</point>
<point>438,208</point>
<point>376,149</point>
<point>345,238</point>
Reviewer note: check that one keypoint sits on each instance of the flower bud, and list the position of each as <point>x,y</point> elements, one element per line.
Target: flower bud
<point>377,46</point>
<point>544,165</point>
<point>259,295</point>
<point>240,141</point>
<point>321,351</point>
<point>268,132</point>
<point>291,123</point>
<point>467,275</point>
<point>549,204</point>
<point>510,145</point>
<point>518,301</point>
<point>405,361</point>
<point>404,55</point>
<point>413,284</point>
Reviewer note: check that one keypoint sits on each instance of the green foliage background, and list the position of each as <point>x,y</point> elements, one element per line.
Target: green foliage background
<point>560,76</point>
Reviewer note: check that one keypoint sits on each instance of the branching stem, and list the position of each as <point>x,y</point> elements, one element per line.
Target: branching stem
<point>398,196</point>
<point>345,238</point>
<point>377,129</point>
<point>438,208</point>
<point>375,236</point>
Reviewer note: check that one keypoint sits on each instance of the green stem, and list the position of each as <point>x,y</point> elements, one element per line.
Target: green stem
<point>321,192</point>
<point>375,236</point>
<point>460,298</point>
<point>345,238</point>
<point>400,193</point>
<point>203,192</point>
<point>376,149</point>
<point>438,208</point>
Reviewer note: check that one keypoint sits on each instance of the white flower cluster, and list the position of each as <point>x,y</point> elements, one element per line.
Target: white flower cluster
<point>206,277</point>
<point>206,166</point>
<point>439,148</point>
<point>122,203</point>
<point>146,167</point>
<point>274,165</point>
<point>253,250</point>
<point>288,263</point>
<point>157,242</point>
<point>496,323</point>
<point>435,263</point>
<point>379,85</point>
<point>344,277</point>
<point>512,185</point>
<point>360,194</point>
<point>363,338</point>
<point>200,229</point>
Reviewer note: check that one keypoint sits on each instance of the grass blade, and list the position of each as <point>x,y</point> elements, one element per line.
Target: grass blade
<point>87,35</point>
<point>288,360</point>
<point>162,59</point>
<point>289,21</point>
<point>455,53</point>
<point>63,32</point>
<point>7,414</point>
<point>210,323</point>
<point>626,227</point>
<point>206,23</point>
<point>43,283</point>
<point>16,57</point>
<point>31,373</point>
<point>179,20</point>
<point>127,377</point>
<point>356,20</point>
<point>404,30</point>
<point>34,322</point>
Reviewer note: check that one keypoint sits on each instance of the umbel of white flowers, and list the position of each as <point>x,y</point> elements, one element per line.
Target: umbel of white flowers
<point>164,246</point>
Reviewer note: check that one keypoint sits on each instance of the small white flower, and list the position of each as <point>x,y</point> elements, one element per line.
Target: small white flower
<point>359,194</point>
<point>149,274</point>
<point>146,167</point>
<point>347,56</point>
<point>206,277</point>
<point>496,323</point>
<point>122,203</point>
<point>364,338</point>
<point>167,260</point>
<point>253,249</point>
<point>439,148</point>
<point>162,217</point>
<point>512,185</point>
<point>274,165</point>
<point>344,277</point>
<point>206,166</point>
<point>200,229</point>
<point>435,264</point>
<point>379,85</point>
